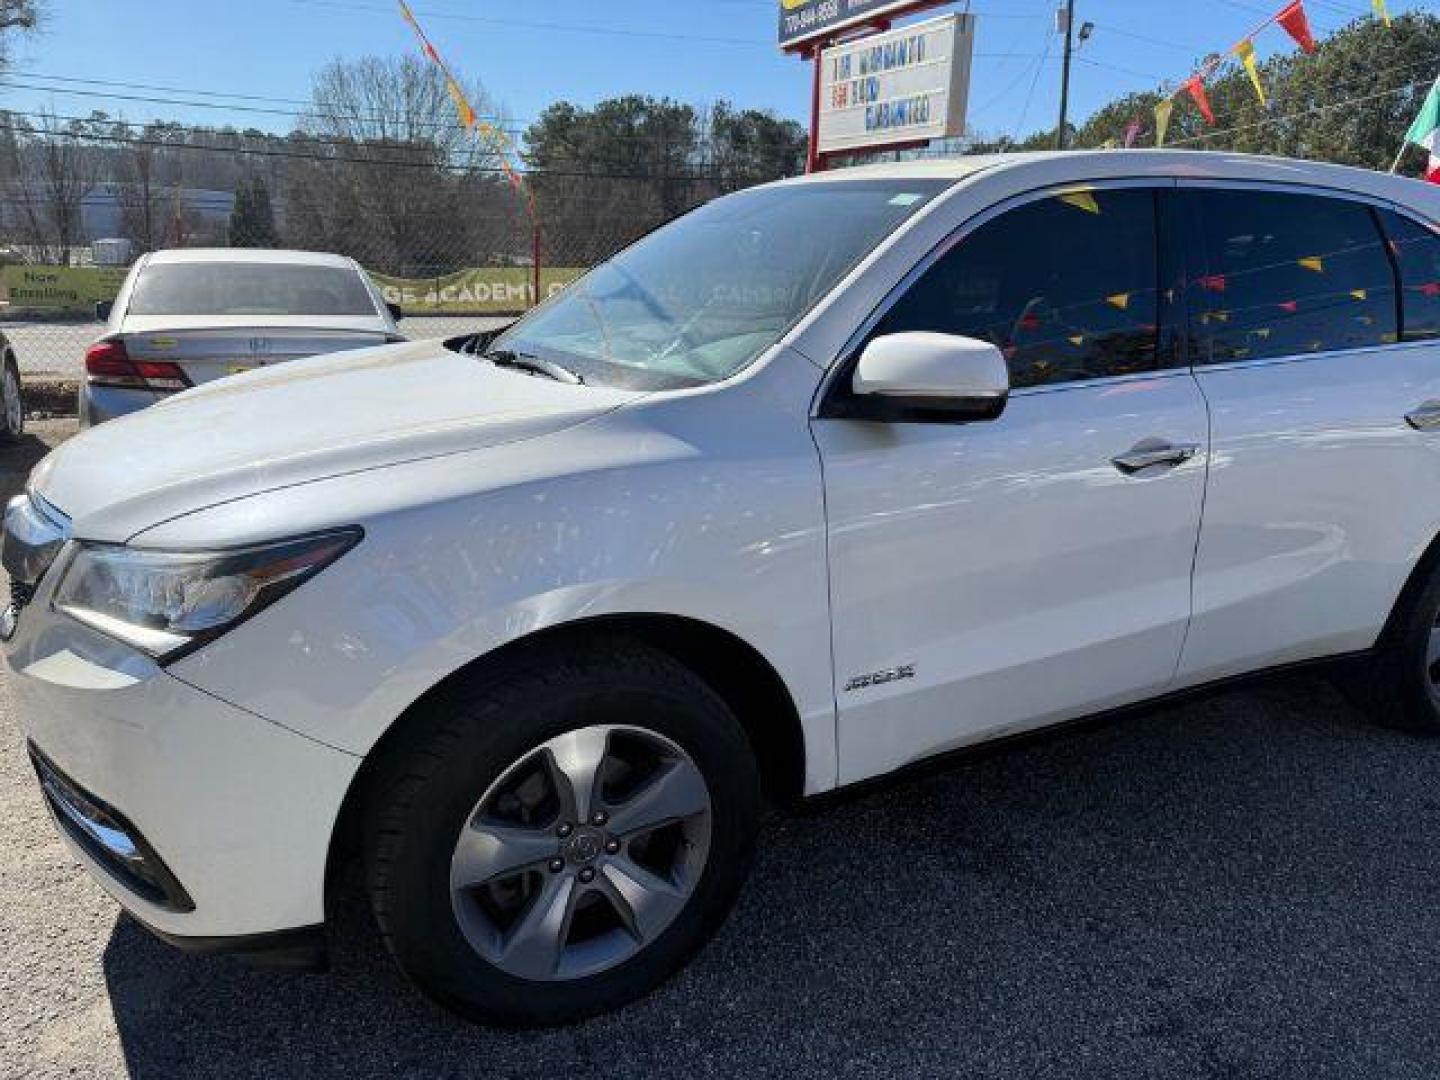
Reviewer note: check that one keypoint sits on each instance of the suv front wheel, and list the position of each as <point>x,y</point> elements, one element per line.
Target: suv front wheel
<point>560,836</point>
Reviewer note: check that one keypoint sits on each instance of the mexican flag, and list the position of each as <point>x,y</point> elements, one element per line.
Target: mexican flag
<point>1425,131</point>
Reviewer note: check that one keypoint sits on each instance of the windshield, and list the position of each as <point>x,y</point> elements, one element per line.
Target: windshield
<point>249,289</point>
<point>701,298</point>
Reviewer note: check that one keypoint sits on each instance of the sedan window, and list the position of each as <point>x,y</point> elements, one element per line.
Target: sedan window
<point>249,289</point>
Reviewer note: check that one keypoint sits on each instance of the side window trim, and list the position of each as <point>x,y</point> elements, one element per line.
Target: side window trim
<point>832,388</point>
<point>1373,203</point>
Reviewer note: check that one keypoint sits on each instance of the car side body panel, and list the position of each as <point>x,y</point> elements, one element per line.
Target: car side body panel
<point>652,509</point>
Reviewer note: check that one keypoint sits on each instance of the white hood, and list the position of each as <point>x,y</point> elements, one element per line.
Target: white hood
<point>298,422</point>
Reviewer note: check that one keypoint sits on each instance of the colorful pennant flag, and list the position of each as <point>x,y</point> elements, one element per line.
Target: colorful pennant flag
<point>1162,119</point>
<point>1246,52</point>
<point>1381,11</point>
<point>1292,19</point>
<point>1212,282</point>
<point>1360,294</point>
<point>1195,87</point>
<point>468,119</point>
<point>1081,199</point>
<point>1425,131</point>
<point>1132,132</point>
<point>1289,306</point>
<point>1120,300</point>
<point>1313,263</point>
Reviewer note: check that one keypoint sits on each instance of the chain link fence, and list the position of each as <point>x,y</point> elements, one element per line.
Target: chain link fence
<point>458,251</point>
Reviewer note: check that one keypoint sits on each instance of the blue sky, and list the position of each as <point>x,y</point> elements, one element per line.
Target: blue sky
<point>531,54</point>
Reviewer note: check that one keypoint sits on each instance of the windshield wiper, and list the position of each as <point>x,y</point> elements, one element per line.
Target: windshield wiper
<point>523,362</point>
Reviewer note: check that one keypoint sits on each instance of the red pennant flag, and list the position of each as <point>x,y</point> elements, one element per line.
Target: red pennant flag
<point>1292,306</point>
<point>1213,282</point>
<point>1297,25</point>
<point>1195,87</point>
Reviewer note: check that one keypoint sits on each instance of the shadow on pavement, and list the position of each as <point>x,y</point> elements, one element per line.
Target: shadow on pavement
<point>1240,885</point>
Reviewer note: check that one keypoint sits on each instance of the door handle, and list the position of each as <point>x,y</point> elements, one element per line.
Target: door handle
<point>1152,452</point>
<point>1425,417</point>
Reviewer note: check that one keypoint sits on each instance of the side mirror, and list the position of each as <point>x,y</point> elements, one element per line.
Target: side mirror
<point>396,312</point>
<point>921,375</point>
<point>103,309</point>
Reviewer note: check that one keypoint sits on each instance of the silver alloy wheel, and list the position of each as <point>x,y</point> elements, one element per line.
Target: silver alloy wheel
<point>14,406</point>
<point>582,853</point>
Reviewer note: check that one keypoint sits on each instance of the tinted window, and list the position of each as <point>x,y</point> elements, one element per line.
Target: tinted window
<point>249,289</point>
<point>1064,285</point>
<point>1417,251</point>
<point>1287,275</point>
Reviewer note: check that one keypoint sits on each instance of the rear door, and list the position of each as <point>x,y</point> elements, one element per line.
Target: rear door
<point>993,576</point>
<point>1321,494</point>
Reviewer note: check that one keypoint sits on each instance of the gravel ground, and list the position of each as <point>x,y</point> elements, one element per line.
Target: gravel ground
<point>58,349</point>
<point>1240,886</point>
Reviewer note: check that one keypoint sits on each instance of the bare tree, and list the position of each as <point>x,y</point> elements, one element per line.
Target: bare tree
<point>400,183</point>
<point>53,168</point>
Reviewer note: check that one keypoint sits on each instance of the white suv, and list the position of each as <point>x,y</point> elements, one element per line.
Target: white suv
<point>827,477</point>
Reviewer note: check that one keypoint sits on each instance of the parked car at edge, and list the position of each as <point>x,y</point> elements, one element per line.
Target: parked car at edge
<point>825,478</point>
<point>12,405</point>
<point>185,317</point>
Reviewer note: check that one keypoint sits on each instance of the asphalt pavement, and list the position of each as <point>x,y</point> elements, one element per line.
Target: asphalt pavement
<point>1243,885</point>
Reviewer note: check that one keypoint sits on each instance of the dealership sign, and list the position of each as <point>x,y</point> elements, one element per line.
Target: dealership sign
<point>494,291</point>
<point>906,85</point>
<point>804,20</point>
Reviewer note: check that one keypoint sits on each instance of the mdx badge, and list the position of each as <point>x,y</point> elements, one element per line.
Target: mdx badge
<point>880,678</point>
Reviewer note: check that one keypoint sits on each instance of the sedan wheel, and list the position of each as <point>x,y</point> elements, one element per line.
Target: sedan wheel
<point>12,404</point>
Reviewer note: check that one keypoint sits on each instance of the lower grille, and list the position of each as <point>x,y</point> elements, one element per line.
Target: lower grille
<point>106,836</point>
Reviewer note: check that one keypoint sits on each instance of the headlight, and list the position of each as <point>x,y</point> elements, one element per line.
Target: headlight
<point>167,603</point>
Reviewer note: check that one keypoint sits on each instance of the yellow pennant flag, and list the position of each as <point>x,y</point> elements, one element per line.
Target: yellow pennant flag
<point>1313,262</point>
<point>1263,332</point>
<point>1081,199</point>
<point>1246,52</point>
<point>1162,120</point>
<point>1381,11</point>
<point>1119,300</point>
<point>1077,340</point>
<point>408,15</point>
<point>462,105</point>
<point>1359,294</point>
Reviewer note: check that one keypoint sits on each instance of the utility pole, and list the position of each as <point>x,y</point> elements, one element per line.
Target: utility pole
<point>1060,139</point>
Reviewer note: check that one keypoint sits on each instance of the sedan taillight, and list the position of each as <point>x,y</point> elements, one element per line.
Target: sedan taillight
<point>108,364</point>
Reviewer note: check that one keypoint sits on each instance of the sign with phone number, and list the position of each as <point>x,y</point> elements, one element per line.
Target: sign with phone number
<point>802,20</point>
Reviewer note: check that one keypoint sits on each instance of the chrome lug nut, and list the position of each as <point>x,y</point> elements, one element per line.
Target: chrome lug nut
<point>564,830</point>
<point>612,846</point>
<point>599,818</point>
<point>586,876</point>
<point>556,865</point>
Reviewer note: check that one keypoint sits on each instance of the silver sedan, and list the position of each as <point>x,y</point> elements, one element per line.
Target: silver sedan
<point>186,317</point>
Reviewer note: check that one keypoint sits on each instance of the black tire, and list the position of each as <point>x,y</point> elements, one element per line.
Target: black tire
<point>464,740</point>
<point>12,416</point>
<point>1396,685</point>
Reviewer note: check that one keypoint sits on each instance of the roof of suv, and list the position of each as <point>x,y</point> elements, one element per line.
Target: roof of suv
<point>1081,165</point>
<point>247,255</point>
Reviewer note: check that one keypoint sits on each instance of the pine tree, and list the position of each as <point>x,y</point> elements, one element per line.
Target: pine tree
<point>252,221</point>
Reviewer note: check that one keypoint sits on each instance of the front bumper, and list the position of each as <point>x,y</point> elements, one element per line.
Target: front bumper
<point>237,810</point>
